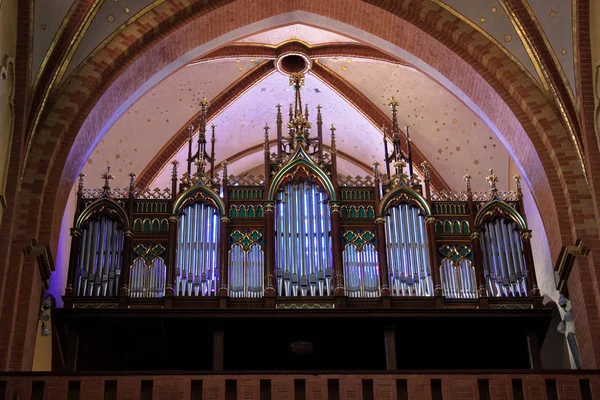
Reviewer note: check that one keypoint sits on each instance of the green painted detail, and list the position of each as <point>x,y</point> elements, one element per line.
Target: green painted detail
<point>512,213</point>
<point>300,157</point>
<point>246,238</point>
<point>217,201</point>
<point>103,203</point>
<point>149,252</point>
<point>455,253</point>
<point>359,238</point>
<point>391,195</point>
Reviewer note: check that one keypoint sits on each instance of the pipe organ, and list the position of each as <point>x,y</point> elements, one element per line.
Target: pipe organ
<point>300,233</point>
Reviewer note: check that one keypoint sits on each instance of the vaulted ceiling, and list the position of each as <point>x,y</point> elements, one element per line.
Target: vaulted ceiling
<point>446,132</point>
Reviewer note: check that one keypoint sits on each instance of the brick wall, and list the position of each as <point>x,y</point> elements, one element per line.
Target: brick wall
<point>43,170</point>
<point>304,387</point>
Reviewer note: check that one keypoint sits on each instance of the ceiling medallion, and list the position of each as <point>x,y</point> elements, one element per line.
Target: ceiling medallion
<point>293,63</point>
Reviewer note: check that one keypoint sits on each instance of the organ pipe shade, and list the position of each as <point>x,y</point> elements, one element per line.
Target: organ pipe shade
<point>147,281</point>
<point>361,271</point>
<point>302,241</point>
<point>458,281</point>
<point>408,256</point>
<point>246,271</point>
<point>505,272</point>
<point>100,258</point>
<point>196,271</point>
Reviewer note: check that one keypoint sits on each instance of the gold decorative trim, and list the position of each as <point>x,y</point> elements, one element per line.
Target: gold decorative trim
<point>305,306</point>
<point>108,39</point>
<point>546,77</point>
<point>95,305</point>
<point>491,39</point>
<point>58,74</point>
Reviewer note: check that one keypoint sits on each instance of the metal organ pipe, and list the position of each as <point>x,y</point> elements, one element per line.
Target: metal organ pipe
<point>303,246</point>
<point>503,258</point>
<point>408,261</point>
<point>100,258</point>
<point>361,270</point>
<point>458,281</point>
<point>197,243</point>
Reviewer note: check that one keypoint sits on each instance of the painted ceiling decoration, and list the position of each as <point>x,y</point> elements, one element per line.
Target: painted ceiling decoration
<point>355,78</point>
<point>554,18</point>
<point>239,118</point>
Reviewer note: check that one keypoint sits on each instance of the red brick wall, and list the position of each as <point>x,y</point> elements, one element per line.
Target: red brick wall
<point>75,113</point>
<point>178,387</point>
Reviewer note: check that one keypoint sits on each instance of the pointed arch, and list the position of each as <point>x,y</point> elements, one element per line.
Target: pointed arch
<point>106,206</point>
<point>199,193</point>
<point>404,194</point>
<point>497,207</point>
<point>300,159</point>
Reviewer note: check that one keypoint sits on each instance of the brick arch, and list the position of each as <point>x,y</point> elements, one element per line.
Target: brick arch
<point>419,31</point>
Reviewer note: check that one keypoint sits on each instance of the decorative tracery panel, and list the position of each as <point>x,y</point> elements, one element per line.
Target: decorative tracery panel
<point>246,264</point>
<point>457,273</point>
<point>361,265</point>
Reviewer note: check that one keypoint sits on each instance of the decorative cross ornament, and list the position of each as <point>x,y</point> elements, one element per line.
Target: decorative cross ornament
<point>492,179</point>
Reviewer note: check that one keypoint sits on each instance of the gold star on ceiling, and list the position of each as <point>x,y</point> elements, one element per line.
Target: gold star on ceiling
<point>553,13</point>
<point>507,37</point>
<point>110,18</point>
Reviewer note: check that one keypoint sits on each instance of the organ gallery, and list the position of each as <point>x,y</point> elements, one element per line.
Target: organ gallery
<point>383,257</point>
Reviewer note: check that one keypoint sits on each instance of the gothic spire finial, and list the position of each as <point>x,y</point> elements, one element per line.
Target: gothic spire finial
<point>132,180</point>
<point>107,176</point>
<point>204,104</point>
<point>174,170</point>
<point>266,128</point>
<point>224,164</point>
<point>467,179</point>
<point>517,179</point>
<point>332,129</point>
<point>492,179</point>
<point>80,185</point>
<point>376,170</point>
<point>426,171</point>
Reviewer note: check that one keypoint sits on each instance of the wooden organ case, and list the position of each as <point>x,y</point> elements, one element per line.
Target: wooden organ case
<point>299,268</point>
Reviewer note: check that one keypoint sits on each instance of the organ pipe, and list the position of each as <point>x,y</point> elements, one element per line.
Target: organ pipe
<point>99,264</point>
<point>504,259</point>
<point>408,259</point>
<point>361,271</point>
<point>197,247</point>
<point>302,242</point>
<point>458,281</point>
<point>246,271</point>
